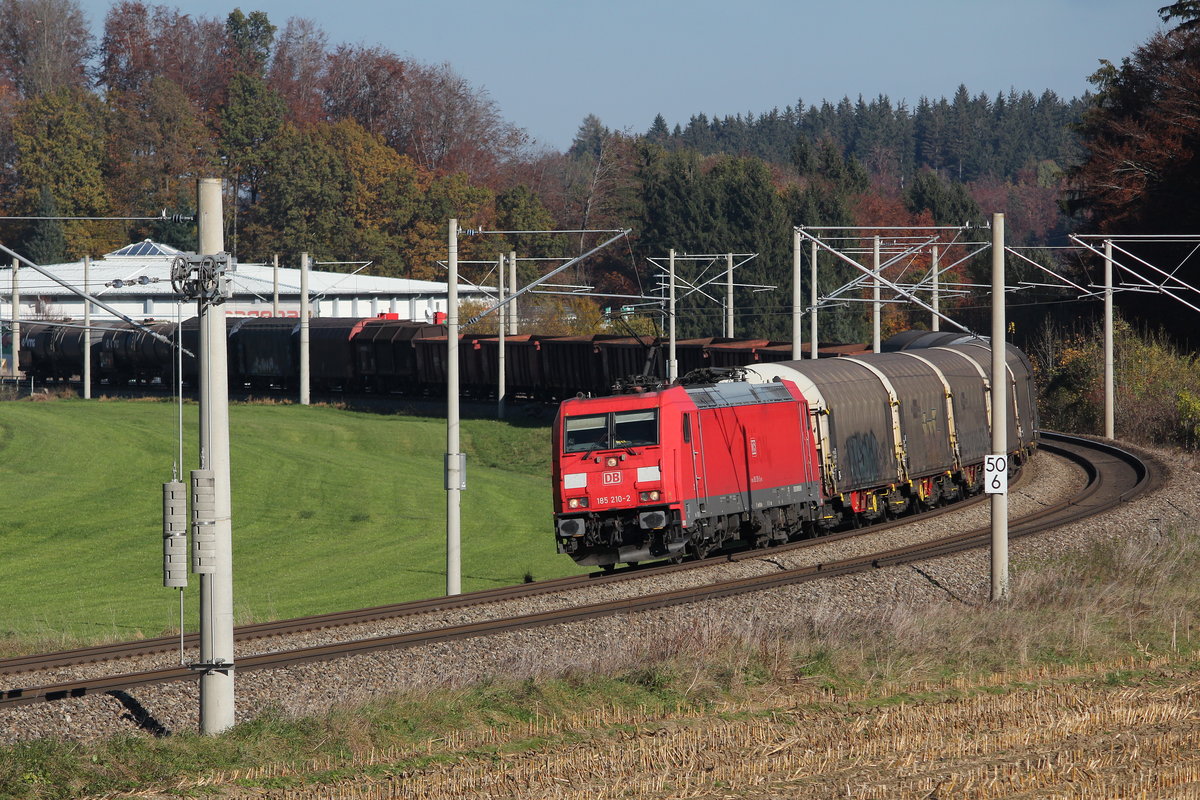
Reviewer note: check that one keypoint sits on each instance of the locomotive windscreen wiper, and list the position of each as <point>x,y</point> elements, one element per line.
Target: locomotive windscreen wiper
<point>599,444</point>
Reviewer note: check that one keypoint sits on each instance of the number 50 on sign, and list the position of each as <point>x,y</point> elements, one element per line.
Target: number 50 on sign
<point>995,474</point>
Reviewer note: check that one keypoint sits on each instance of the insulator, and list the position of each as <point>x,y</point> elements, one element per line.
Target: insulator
<point>204,521</point>
<point>175,534</point>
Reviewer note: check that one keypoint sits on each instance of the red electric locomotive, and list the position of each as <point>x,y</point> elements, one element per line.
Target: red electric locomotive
<point>684,470</point>
<point>789,450</point>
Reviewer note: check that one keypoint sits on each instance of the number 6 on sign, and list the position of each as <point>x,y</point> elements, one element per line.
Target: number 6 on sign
<point>995,474</point>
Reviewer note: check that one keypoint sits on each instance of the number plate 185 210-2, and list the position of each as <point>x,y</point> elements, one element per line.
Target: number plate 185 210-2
<point>613,500</point>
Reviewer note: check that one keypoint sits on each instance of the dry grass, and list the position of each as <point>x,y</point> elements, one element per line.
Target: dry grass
<point>1055,739</point>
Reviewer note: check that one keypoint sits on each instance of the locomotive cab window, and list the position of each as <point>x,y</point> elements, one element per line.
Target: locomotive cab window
<point>635,428</point>
<point>585,433</point>
<point>609,431</point>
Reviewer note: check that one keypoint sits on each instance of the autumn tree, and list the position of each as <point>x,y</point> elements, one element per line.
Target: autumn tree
<point>59,152</point>
<point>44,45</point>
<point>157,146</point>
<point>342,194</point>
<point>335,191</point>
<point>447,197</point>
<point>447,125</point>
<point>365,85</point>
<point>142,42</point>
<point>1141,138</point>
<point>299,70</point>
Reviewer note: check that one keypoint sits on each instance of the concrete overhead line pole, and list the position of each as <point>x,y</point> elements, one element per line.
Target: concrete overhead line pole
<point>812,292</point>
<point>305,374</point>
<point>875,305</point>
<point>454,459</point>
<point>936,323</point>
<point>797,295</point>
<point>672,363</point>
<point>501,389</point>
<point>275,283</point>
<point>1110,418</point>
<point>16,320</point>
<point>999,413</point>
<point>729,295</point>
<point>511,308</point>
<point>87,329</point>
<point>216,587</point>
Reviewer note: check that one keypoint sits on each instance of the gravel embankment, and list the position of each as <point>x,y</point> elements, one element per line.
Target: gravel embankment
<point>314,687</point>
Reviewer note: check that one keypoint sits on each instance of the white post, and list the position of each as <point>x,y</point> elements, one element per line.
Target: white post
<point>16,320</point>
<point>1110,418</point>
<point>797,294</point>
<point>875,299</point>
<point>305,372</point>
<point>672,364</point>
<point>216,588</point>
<point>936,323</point>
<point>512,289</point>
<point>501,388</point>
<point>275,294</point>
<point>812,293</point>
<point>454,475</point>
<point>729,295</point>
<point>999,412</point>
<point>87,328</point>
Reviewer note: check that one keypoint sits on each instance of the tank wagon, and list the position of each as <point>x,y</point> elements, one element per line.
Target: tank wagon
<point>374,355</point>
<point>779,451</point>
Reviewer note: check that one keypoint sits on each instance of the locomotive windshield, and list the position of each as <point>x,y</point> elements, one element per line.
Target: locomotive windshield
<point>635,428</point>
<point>586,433</point>
<point>609,431</point>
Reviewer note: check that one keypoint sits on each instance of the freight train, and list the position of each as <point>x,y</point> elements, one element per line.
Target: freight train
<point>373,355</point>
<point>780,451</point>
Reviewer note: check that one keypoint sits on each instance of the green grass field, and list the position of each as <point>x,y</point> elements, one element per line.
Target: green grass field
<point>332,509</point>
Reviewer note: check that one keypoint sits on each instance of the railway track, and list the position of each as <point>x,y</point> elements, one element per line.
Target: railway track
<point>1113,476</point>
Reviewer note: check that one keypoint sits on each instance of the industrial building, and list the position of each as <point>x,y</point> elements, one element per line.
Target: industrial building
<point>136,280</point>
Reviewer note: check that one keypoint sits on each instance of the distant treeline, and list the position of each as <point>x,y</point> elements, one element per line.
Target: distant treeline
<point>966,138</point>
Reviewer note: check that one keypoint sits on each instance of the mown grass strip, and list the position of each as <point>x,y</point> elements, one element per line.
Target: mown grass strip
<point>332,510</point>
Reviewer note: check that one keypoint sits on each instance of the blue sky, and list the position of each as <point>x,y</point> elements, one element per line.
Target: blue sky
<point>549,63</point>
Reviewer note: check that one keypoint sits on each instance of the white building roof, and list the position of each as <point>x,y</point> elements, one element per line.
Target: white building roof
<point>143,270</point>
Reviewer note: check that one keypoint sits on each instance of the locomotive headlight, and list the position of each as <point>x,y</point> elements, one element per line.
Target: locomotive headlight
<point>577,502</point>
<point>649,497</point>
<point>611,461</point>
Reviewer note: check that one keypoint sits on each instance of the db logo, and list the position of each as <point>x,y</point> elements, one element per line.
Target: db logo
<point>612,477</point>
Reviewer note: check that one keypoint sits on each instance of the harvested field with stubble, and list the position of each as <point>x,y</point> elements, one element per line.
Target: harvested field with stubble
<point>1121,730</point>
